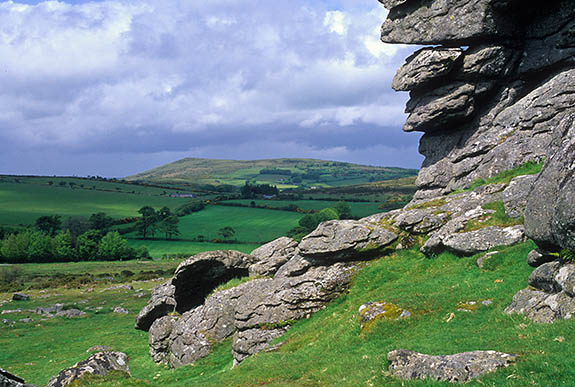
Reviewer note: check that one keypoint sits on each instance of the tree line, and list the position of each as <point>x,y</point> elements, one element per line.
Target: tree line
<point>77,239</point>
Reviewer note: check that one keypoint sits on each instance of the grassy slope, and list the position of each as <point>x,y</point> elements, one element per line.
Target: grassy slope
<point>236,172</point>
<point>328,348</point>
<point>23,203</point>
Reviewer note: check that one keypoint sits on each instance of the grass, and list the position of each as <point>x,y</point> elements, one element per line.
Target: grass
<point>251,225</point>
<point>498,218</point>
<point>160,248</point>
<point>505,177</point>
<point>328,348</point>
<point>359,209</point>
<point>23,203</point>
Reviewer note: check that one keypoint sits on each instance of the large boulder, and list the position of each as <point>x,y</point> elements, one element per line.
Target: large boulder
<point>98,364</point>
<point>271,256</point>
<point>424,66</point>
<point>440,107</point>
<point>183,340</point>
<point>197,276</point>
<point>268,307</point>
<point>473,242</point>
<point>461,367</point>
<point>162,302</point>
<point>515,195</point>
<point>550,211</point>
<point>446,22</point>
<point>337,240</point>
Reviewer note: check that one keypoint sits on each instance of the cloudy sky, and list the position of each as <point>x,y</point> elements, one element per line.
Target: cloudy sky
<point>117,87</point>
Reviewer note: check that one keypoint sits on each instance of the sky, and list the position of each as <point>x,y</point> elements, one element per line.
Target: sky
<point>113,88</point>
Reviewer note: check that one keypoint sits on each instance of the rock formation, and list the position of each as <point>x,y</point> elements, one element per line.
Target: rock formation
<point>495,90</point>
<point>98,364</point>
<point>489,96</point>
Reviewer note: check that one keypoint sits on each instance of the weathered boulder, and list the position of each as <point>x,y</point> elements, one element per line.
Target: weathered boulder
<point>440,107</point>
<point>267,307</point>
<point>8,379</point>
<point>538,257</point>
<point>337,240</point>
<point>381,310</point>
<point>186,339</point>
<point>543,278</point>
<point>251,341</point>
<point>542,307</point>
<point>473,242</point>
<point>158,339</point>
<point>270,257</point>
<point>550,211</point>
<point>425,65</point>
<point>162,302</point>
<point>445,22</point>
<point>461,367</point>
<point>515,195</point>
<point>389,4</point>
<point>197,276</point>
<point>98,364</point>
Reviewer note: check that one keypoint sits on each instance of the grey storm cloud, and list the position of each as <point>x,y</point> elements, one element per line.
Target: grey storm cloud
<point>152,80</point>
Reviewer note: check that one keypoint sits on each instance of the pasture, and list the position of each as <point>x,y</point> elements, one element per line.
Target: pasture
<point>22,203</point>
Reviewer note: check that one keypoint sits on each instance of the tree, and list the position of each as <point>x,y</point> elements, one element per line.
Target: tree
<point>100,221</point>
<point>226,232</point>
<point>88,245</point>
<point>343,210</point>
<point>48,224</point>
<point>64,246</point>
<point>41,247</point>
<point>147,224</point>
<point>15,247</point>
<point>113,246</point>
<point>169,226</point>
<point>77,225</point>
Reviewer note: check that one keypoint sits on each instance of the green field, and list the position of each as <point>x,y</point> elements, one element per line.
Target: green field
<point>358,209</point>
<point>284,173</point>
<point>251,225</point>
<point>328,348</point>
<point>159,248</point>
<point>23,203</point>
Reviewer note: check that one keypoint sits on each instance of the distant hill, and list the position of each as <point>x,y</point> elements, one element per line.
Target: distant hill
<point>285,173</point>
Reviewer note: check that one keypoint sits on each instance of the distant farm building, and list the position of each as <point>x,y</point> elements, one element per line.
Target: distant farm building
<point>183,195</point>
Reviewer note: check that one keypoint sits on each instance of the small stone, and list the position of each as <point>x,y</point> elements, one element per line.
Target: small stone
<point>70,313</point>
<point>26,320</point>
<point>120,310</point>
<point>538,257</point>
<point>461,367</point>
<point>20,297</point>
<point>119,287</point>
<point>381,310</point>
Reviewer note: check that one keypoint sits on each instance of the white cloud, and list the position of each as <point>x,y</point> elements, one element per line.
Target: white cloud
<point>337,22</point>
<point>74,74</point>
